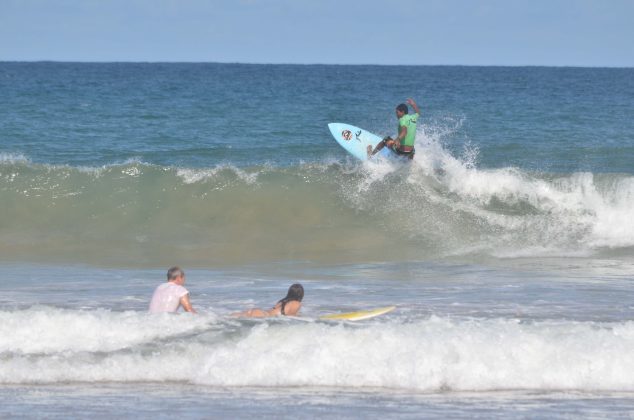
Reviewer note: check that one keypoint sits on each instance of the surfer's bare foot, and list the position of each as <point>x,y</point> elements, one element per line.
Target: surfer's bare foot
<point>369,149</point>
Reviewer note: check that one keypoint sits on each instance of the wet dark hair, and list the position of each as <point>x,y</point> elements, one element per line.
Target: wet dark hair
<point>295,292</point>
<point>402,108</point>
<point>174,272</point>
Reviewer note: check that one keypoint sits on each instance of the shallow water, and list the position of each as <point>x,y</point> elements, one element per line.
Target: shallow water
<point>467,328</point>
<point>465,341</point>
<point>166,401</point>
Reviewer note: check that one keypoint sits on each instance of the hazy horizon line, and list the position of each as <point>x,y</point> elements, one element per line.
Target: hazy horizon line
<point>312,64</point>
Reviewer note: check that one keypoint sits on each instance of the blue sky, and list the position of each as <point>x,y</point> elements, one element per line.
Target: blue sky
<point>470,32</point>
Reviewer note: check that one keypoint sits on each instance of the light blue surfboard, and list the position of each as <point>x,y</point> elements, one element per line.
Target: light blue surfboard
<point>356,140</point>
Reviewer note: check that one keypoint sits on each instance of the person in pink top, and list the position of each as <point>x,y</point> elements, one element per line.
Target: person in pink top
<point>169,296</point>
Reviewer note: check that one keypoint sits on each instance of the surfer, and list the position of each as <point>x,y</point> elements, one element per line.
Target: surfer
<point>404,143</point>
<point>289,306</point>
<point>169,296</point>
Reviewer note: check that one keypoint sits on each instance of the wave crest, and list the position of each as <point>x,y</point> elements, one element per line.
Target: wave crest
<point>437,206</point>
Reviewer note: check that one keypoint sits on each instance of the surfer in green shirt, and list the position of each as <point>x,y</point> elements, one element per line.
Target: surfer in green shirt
<point>403,144</point>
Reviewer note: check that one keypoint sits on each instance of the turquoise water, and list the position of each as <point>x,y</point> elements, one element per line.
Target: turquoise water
<point>534,118</point>
<point>507,244</point>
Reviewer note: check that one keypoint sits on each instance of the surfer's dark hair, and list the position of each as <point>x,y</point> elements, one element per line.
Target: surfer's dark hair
<point>174,272</point>
<point>402,108</point>
<point>295,292</point>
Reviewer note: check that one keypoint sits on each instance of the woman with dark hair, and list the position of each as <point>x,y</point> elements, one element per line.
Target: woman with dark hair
<point>289,306</point>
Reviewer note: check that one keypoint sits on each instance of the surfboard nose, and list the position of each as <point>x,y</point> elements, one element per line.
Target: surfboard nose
<point>334,128</point>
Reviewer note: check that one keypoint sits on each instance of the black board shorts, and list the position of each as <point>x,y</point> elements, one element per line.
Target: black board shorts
<point>403,152</point>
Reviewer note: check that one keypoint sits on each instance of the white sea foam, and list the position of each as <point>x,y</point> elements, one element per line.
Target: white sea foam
<point>191,176</point>
<point>49,330</point>
<point>132,167</point>
<point>568,214</point>
<point>432,355</point>
<point>423,355</point>
<point>12,158</point>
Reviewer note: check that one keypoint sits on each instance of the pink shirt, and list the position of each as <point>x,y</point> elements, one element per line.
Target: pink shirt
<point>167,297</point>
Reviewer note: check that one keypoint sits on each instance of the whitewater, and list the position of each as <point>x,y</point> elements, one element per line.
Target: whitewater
<point>429,355</point>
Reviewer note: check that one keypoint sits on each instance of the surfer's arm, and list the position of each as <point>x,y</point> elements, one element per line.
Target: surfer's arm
<point>186,304</point>
<point>401,135</point>
<point>413,104</point>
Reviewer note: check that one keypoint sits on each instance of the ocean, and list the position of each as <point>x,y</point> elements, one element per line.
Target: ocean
<point>507,244</point>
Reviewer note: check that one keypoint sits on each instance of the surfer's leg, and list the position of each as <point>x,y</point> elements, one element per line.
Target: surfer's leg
<point>257,313</point>
<point>251,313</point>
<point>387,141</point>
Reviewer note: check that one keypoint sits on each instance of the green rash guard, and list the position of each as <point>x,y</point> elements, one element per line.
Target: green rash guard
<point>409,121</point>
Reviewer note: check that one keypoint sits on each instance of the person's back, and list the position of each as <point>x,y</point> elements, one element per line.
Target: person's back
<point>409,121</point>
<point>169,296</point>
<point>166,297</point>
<point>289,306</point>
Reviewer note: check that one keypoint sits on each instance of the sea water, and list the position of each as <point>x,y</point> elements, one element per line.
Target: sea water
<point>507,244</point>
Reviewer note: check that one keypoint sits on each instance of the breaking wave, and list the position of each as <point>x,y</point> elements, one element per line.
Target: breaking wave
<point>334,211</point>
<point>47,345</point>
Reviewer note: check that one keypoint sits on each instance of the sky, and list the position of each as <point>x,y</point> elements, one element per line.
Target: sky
<point>392,32</point>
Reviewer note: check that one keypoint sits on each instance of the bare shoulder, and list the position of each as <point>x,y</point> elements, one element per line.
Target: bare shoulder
<point>292,308</point>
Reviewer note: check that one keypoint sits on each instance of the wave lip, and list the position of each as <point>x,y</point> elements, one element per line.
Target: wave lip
<point>13,158</point>
<point>423,355</point>
<point>192,176</point>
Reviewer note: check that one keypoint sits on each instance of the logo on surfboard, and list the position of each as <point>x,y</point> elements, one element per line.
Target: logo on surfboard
<point>347,135</point>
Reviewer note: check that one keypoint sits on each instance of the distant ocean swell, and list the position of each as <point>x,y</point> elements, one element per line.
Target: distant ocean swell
<point>47,345</point>
<point>333,211</point>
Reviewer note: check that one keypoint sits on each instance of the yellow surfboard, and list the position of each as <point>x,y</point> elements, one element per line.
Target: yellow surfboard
<point>359,315</point>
